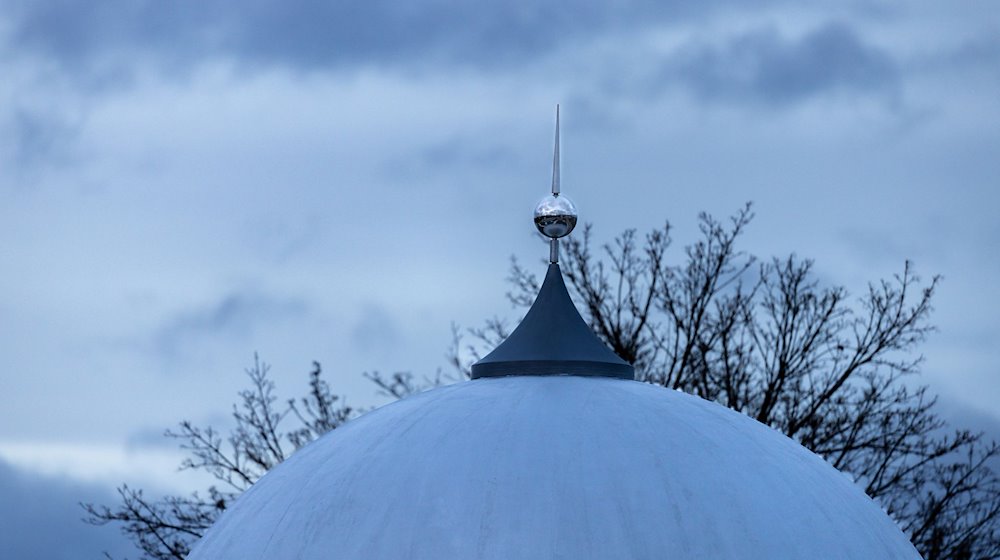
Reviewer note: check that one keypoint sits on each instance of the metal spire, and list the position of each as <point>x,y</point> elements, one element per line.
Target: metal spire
<point>555,216</point>
<point>554,242</point>
<point>555,159</point>
<point>553,339</point>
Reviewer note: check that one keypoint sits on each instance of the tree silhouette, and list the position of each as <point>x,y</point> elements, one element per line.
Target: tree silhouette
<point>761,337</point>
<point>165,529</point>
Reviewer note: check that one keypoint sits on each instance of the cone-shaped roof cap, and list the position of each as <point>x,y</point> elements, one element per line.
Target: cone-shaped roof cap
<point>552,339</point>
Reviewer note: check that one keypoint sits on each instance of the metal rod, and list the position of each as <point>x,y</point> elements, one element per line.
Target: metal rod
<point>555,158</point>
<point>554,250</point>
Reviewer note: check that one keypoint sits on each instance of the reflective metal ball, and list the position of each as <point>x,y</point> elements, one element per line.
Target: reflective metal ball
<point>555,216</point>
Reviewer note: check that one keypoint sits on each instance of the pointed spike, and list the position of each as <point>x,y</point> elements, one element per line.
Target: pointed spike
<point>555,158</point>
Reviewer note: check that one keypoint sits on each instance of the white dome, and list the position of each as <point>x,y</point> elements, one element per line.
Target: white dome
<point>553,467</point>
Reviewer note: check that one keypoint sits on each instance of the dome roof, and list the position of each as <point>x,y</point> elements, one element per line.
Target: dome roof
<point>553,451</point>
<point>553,467</point>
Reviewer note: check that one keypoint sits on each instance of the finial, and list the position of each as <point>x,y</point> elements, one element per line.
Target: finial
<point>555,158</point>
<point>555,216</point>
<point>553,339</point>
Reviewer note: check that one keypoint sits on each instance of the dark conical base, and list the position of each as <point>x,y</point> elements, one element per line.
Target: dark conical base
<point>552,340</point>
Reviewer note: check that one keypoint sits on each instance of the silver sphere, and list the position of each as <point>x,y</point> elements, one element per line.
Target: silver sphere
<point>555,216</point>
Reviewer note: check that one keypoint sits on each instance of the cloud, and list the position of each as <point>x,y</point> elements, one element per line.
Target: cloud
<point>763,66</point>
<point>234,316</point>
<point>36,136</point>
<point>960,416</point>
<point>465,151</point>
<point>453,155</point>
<point>376,331</point>
<point>148,464</point>
<point>311,35</point>
<point>979,52</point>
<point>40,518</point>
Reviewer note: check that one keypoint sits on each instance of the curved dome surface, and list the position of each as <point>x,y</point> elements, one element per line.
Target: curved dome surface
<point>553,467</point>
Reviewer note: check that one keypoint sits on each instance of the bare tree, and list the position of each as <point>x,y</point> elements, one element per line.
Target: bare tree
<point>766,339</point>
<point>166,528</point>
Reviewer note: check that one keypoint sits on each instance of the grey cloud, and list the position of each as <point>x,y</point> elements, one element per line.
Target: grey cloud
<point>376,331</point>
<point>323,34</point>
<point>234,316</point>
<point>41,138</point>
<point>767,68</point>
<point>280,241</point>
<point>875,245</point>
<point>40,518</point>
<point>453,155</point>
<point>959,416</point>
<point>980,52</point>
<point>149,438</point>
<point>463,151</point>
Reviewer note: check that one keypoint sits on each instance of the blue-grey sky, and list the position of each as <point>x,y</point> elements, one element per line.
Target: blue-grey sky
<point>185,183</point>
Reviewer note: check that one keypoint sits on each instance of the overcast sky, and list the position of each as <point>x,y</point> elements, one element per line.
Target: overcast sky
<point>186,183</point>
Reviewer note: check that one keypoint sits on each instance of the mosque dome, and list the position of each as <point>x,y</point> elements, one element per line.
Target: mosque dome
<point>553,451</point>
